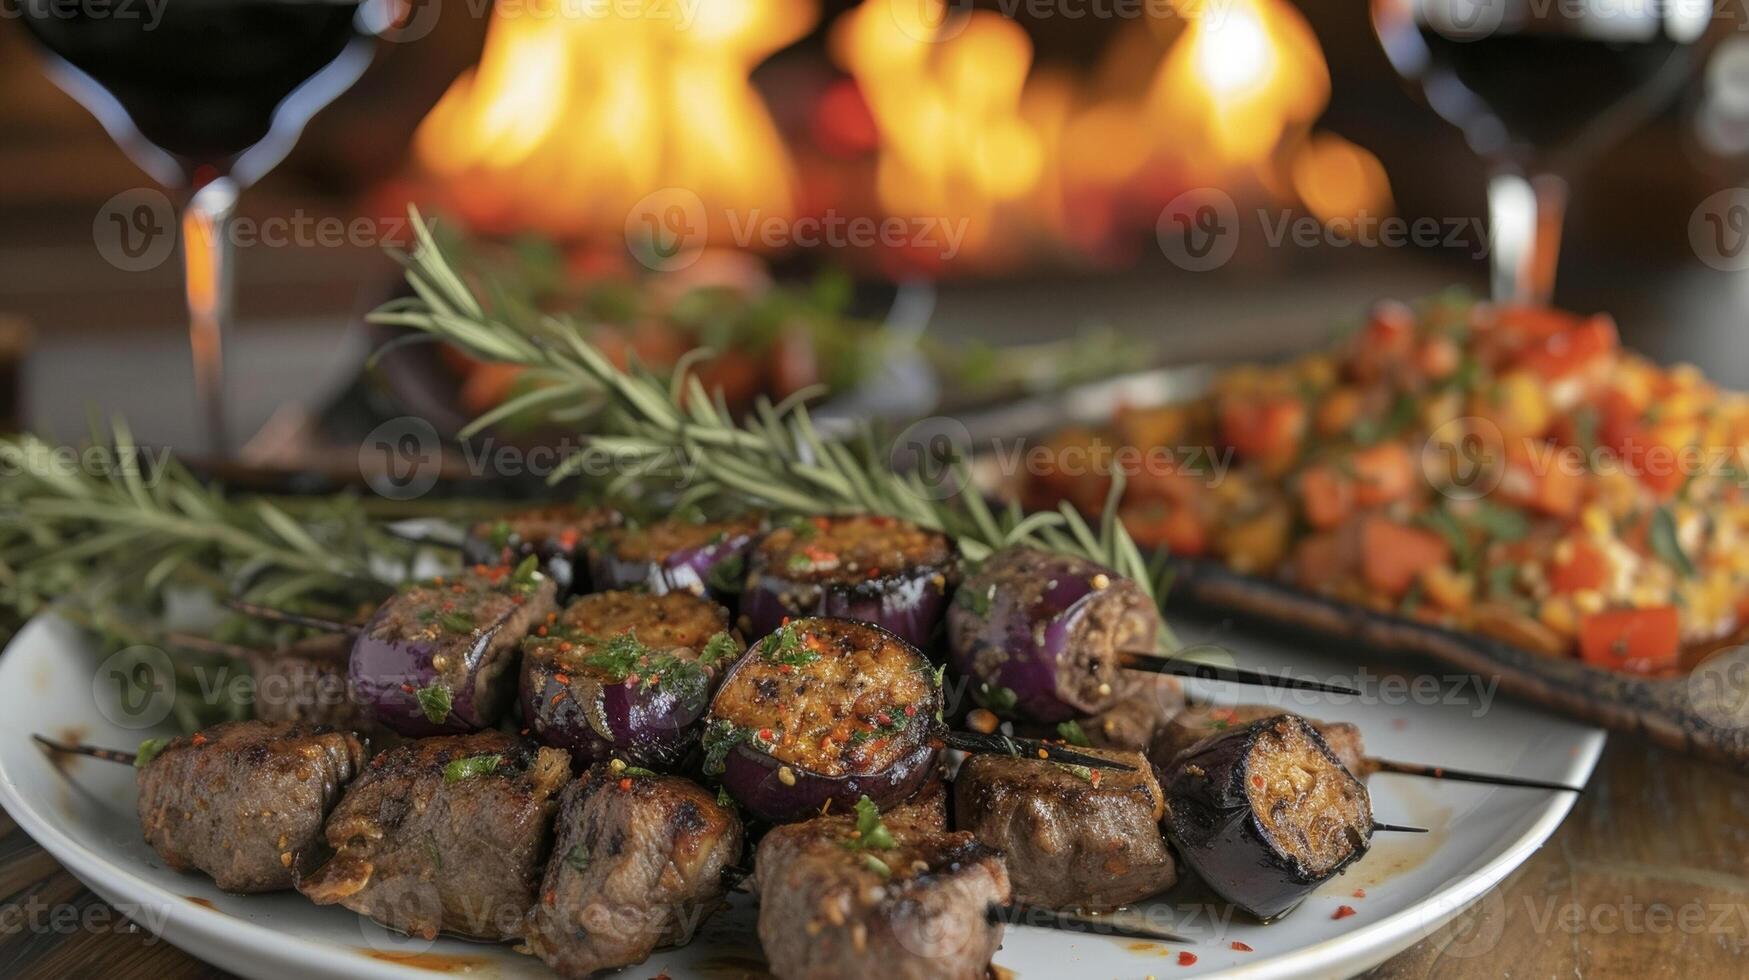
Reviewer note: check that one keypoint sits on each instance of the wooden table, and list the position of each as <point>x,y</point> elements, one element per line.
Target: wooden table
<point>1648,877</point>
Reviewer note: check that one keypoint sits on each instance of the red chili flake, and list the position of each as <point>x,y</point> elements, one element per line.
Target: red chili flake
<point>1342,912</point>
<point>1186,958</point>
<point>551,897</point>
<point>655,680</point>
<point>765,734</point>
<point>552,617</point>
<point>874,573</point>
<point>564,646</point>
<point>1093,777</point>
<point>557,698</point>
<point>884,719</point>
<point>785,669</point>
<point>480,569</point>
<point>457,588</point>
<point>1241,947</point>
<point>540,631</point>
<point>1257,781</point>
<point>1360,893</point>
<point>517,600</point>
<point>910,711</point>
<point>407,688</point>
<point>562,677</point>
<point>821,523</point>
<point>625,785</point>
<point>568,537</point>
<point>199,738</point>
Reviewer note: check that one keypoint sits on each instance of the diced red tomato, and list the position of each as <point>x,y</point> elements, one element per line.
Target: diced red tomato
<point>1561,354</point>
<point>1393,554</point>
<point>1586,569</point>
<point>1267,429</point>
<point>1383,473</point>
<point>1636,640</point>
<point>1326,497</point>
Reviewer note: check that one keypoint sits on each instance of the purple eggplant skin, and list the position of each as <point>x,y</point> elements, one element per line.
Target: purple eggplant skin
<point>423,669</point>
<point>864,676</point>
<point>557,536</point>
<point>1214,825</point>
<point>877,570</point>
<point>675,555</point>
<point>1040,634</point>
<point>626,675</point>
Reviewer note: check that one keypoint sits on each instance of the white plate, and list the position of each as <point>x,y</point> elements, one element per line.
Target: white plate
<point>51,682</point>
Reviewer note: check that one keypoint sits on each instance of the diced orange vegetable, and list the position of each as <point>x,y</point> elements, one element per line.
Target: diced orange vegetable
<point>1383,473</point>
<point>1393,554</point>
<point>1518,405</point>
<point>1326,497</point>
<point>1568,351</point>
<point>1586,569</point>
<point>1447,588</point>
<point>1438,357</point>
<point>1637,640</point>
<point>1548,482</point>
<point>1154,524</point>
<point>1257,543</point>
<point>1337,411</point>
<point>1267,430</point>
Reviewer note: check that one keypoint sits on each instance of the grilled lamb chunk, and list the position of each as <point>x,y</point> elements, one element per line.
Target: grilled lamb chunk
<point>637,864</point>
<point>444,834</point>
<point>237,800</point>
<point>557,536</point>
<point>1145,703</point>
<point>924,810</point>
<point>913,911</point>
<point>1195,724</point>
<point>1074,838</point>
<point>307,682</point>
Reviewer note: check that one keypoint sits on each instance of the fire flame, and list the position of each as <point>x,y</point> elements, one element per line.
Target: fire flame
<point>578,111</point>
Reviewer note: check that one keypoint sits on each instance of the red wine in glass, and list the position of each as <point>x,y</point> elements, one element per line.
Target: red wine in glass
<point>207,96</point>
<point>1538,87</point>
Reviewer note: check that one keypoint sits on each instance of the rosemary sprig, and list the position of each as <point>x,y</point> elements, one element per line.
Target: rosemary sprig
<point>671,429</point>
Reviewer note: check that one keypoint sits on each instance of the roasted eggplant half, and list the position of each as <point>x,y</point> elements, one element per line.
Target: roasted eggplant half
<point>1040,635</point>
<point>1265,813</point>
<point>878,570</point>
<point>557,536</point>
<point>675,555</point>
<point>439,656</point>
<point>1198,722</point>
<point>626,675</point>
<point>823,712</point>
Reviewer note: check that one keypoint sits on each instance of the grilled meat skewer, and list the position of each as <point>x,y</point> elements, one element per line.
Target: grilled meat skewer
<point>445,834</point>
<point>238,800</point>
<point>638,863</point>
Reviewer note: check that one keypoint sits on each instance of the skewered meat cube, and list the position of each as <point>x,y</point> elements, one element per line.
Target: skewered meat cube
<point>444,834</point>
<point>1073,837</point>
<point>237,800</point>
<point>834,899</point>
<point>307,682</point>
<point>637,864</point>
<point>1145,703</point>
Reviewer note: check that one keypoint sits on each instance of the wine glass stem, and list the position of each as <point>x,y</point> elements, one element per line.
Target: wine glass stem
<point>206,259</point>
<point>1524,232</point>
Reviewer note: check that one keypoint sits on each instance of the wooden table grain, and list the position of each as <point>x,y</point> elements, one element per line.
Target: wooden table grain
<point>1647,878</point>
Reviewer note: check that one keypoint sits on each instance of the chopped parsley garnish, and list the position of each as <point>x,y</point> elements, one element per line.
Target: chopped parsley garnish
<point>1667,545</point>
<point>997,698</point>
<point>727,576</point>
<point>1501,578</point>
<point>876,865</point>
<point>723,798</point>
<point>617,657</point>
<point>577,858</point>
<point>457,621</point>
<point>470,766</point>
<point>800,526</point>
<point>501,534</point>
<point>719,737</point>
<point>1070,731</point>
<point>638,771</point>
<point>625,657</point>
<point>800,563</point>
<point>885,725</point>
<point>148,751</point>
<point>720,647</point>
<point>1501,523</point>
<point>526,577</point>
<point>871,834</point>
<point>1079,772</point>
<point>785,647</point>
<point>434,702</point>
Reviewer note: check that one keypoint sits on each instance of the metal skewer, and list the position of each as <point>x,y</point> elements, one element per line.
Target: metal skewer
<point>273,615</point>
<point>1462,775</point>
<point>1029,748</point>
<point>95,752</point>
<point>1392,828</point>
<point>1031,915</point>
<point>1155,663</point>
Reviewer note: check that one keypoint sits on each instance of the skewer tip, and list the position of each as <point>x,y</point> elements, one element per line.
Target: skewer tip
<point>1394,828</point>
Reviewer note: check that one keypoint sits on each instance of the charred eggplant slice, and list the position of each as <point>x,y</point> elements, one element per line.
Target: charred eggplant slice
<point>626,675</point>
<point>874,569</point>
<point>1039,634</point>
<point>444,834</point>
<point>637,864</point>
<point>675,555</point>
<point>1194,724</point>
<point>1265,813</point>
<point>824,711</point>
<point>1074,837</point>
<point>439,656</point>
<point>557,536</point>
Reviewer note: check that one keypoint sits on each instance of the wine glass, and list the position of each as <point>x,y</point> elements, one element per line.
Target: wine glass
<point>206,96</point>
<point>1538,87</point>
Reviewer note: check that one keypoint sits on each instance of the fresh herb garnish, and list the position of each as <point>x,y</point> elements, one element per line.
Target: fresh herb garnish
<point>871,834</point>
<point>785,648</point>
<point>719,648</point>
<point>1070,731</point>
<point>723,797</point>
<point>1501,578</point>
<point>719,737</point>
<point>501,535</point>
<point>798,525</point>
<point>470,766</point>
<point>526,577</point>
<point>148,751</point>
<point>457,621</point>
<point>885,725</point>
<point>876,865</point>
<point>638,771</point>
<point>618,656</point>
<point>997,698</point>
<point>1667,545</point>
<point>727,576</point>
<point>1501,523</point>
<point>1079,772</point>
<point>434,701</point>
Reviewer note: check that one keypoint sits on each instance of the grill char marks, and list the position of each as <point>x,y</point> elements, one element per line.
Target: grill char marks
<point>1192,725</point>
<point>826,912</point>
<point>435,838</point>
<point>637,864</point>
<point>237,800</point>
<point>1070,842</point>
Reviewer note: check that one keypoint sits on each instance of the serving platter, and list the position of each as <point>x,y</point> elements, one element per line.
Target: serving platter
<point>1704,712</point>
<point>53,681</point>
